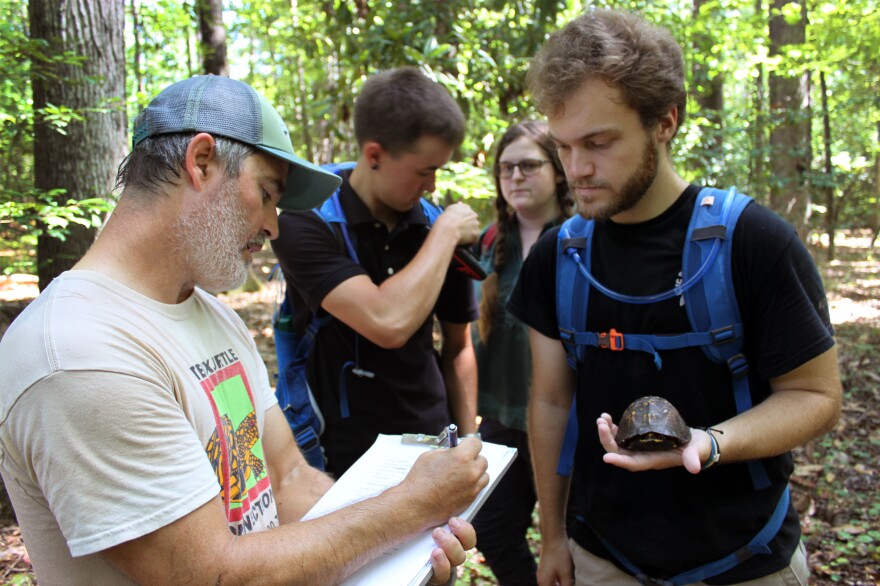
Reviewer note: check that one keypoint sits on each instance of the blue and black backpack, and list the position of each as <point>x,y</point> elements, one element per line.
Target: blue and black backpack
<point>713,313</point>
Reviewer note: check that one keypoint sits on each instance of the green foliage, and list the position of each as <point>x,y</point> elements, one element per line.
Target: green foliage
<point>25,212</point>
<point>24,217</point>
<point>16,115</point>
<point>310,58</point>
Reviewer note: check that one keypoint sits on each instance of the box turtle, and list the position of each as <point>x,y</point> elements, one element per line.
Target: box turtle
<point>652,424</point>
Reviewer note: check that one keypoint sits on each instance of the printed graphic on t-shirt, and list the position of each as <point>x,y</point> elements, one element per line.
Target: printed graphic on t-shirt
<point>235,448</point>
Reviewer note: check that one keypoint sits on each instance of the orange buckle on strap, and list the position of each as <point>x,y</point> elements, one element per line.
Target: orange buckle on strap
<point>615,340</point>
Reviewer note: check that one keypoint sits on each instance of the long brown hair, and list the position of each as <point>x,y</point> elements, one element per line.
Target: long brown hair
<point>506,221</point>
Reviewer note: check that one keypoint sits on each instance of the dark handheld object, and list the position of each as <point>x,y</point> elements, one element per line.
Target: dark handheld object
<point>652,424</point>
<point>452,435</point>
<point>467,263</point>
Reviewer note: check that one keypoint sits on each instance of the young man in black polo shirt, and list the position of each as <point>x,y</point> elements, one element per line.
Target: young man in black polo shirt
<point>613,88</point>
<point>377,356</point>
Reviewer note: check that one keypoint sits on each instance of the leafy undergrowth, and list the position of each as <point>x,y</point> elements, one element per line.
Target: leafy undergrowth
<point>836,483</point>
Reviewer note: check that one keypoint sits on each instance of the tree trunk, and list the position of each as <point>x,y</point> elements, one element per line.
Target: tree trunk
<point>876,222</point>
<point>830,206</point>
<point>213,36</point>
<point>709,92</point>
<point>137,59</point>
<point>758,184</point>
<point>84,160</point>
<point>789,134</point>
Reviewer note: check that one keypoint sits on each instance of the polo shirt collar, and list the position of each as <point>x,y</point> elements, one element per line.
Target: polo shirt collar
<point>357,212</point>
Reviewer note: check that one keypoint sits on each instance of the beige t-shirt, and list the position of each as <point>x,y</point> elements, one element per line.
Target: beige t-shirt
<point>120,415</point>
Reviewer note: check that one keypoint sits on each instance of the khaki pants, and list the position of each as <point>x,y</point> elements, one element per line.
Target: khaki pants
<point>590,570</point>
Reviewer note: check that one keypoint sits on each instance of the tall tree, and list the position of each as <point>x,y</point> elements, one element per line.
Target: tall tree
<point>213,34</point>
<point>138,58</point>
<point>875,228</point>
<point>828,182</point>
<point>758,128</point>
<point>80,158</point>
<point>789,134</point>
<point>707,85</point>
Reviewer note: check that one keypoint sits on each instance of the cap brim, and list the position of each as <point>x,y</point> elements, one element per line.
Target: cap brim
<point>308,185</point>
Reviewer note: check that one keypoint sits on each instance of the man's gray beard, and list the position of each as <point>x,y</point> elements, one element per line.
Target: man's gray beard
<point>211,238</point>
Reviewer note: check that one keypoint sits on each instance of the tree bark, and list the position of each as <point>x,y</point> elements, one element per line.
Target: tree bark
<point>84,160</point>
<point>213,36</point>
<point>830,205</point>
<point>758,130</point>
<point>876,222</point>
<point>709,93</point>
<point>789,134</point>
<point>137,59</point>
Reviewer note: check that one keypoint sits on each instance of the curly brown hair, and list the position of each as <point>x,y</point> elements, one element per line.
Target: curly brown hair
<point>642,60</point>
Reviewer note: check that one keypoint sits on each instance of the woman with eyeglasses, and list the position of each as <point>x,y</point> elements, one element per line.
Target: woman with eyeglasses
<point>531,196</point>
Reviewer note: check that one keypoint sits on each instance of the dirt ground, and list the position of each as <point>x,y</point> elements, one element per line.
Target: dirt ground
<point>836,482</point>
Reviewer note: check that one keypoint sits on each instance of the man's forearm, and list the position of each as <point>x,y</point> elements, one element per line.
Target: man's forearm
<point>459,366</point>
<point>804,404</point>
<point>389,314</point>
<point>336,545</point>
<point>550,400</point>
<point>547,425</point>
<point>297,492</point>
<point>199,548</point>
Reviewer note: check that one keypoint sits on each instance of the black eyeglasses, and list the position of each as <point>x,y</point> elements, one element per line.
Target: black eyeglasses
<point>527,167</point>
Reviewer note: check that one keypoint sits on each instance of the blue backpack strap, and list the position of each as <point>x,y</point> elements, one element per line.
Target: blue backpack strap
<point>572,293</point>
<point>757,545</point>
<point>292,389</point>
<point>572,296</point>
<point>331,210</point>
<point>711,303</point>
<point>617,341</point>
<point>431,211</point>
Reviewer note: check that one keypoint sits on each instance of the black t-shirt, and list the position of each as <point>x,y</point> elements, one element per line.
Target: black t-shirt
<point>407,394</point>
<point>670,521</point>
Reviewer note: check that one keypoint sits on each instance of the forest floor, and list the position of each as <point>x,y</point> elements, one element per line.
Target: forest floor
<point>836,482</point>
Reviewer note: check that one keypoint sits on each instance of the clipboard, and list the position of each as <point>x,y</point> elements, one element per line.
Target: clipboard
<point>385,465</point>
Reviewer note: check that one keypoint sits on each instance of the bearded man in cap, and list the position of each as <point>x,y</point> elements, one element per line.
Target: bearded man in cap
<point>140,439</point>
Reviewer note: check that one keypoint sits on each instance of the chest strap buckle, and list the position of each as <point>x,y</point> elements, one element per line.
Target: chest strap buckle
<point>611,339</point>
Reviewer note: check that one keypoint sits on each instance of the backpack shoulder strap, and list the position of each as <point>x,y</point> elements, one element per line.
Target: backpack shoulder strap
<point>572,293</point>
<point>332,213</point>
<point>711,303</point>
<point>293,349</point>
<point>431,211</point>
<point>487,239</point>
<point>573,246</point>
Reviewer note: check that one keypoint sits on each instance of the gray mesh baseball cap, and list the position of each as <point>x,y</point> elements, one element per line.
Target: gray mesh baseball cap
<point>226,107</point>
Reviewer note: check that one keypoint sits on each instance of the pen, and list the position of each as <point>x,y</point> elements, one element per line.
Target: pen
<point>453,435</point>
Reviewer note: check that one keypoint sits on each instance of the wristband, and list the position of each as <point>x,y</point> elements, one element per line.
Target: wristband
<point>715,454</point>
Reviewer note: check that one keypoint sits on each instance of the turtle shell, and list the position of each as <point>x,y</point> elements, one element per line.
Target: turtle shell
<point>652,424</point>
